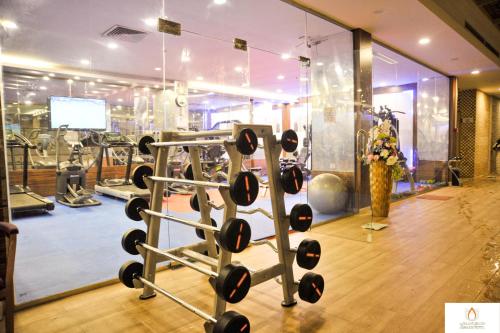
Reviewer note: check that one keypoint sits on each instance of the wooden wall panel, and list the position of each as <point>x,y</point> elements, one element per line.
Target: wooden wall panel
<point>43,181</point>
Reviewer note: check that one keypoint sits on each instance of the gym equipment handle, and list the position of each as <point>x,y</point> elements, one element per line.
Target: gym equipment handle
<point>182,221</point>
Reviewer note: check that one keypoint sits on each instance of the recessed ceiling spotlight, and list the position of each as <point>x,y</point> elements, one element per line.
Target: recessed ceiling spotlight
<point>31,94</point>
<point>285,56</point>
<point>238,69</point>
<point>120,100</point>
<point>475,72</point>
<point>8,24</point>
<point>91,83</point>
<point>112,46</point>
<point>95,92</point>
<point>424,41</point>
<point>136,95</point>
<point>146,89</point>
<point>28,102</point>
<point>425,95</point>
<point>199,78</point>
<point>76,77</point>
<point>280,77</point>
<point>52,75</point>
<point>43,88</point>
<point>425,79</point>
<point>195,91</point>
<point>219,2</point>
<point>150,22</point>
<point>70,81</point>
<point>85,62</point>
<point>157,69</point>
<point>435,99</point>
<point>156,86</point>
<point>46,78</point>
<point>319,64</point>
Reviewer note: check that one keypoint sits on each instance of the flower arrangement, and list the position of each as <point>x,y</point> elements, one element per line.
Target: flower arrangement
<point>382,146</point>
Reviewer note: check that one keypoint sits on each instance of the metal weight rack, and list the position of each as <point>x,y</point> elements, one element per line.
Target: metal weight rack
<point>238,191</point>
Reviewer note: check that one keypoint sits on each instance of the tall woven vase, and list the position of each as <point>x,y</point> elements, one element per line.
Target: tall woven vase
<point>380,188</point>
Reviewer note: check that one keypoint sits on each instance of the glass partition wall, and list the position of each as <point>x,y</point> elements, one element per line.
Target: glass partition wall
<point>418,100</point>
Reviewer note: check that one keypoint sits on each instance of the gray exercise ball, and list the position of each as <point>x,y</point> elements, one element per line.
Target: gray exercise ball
<point>327,193</point>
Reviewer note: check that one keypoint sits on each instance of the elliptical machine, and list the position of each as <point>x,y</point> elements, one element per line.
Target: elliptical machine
<point>71,176</point>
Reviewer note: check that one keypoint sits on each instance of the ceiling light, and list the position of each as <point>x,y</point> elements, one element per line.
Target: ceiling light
<point>136,95</point>
<point>112,46</point>
<point>85,62</point>
<point>199,78</point>
<point>28,102</point>
<point>52,75</point>
<point>279,91</point>
<point>425,95</point>
<point>95,92</point>
<point>238,69</point>
<point>31,94</point>
<point>8,24</point>
<point>285,56</point>
<point>76,77</point>
<point>319,64</point>
<point>425,79</point>
<point>46,78</point>
<point>151,22</point>
<point>156,86</point>
<point>280,77</point>
<point>146,89</point>
<point>435,99</point>
<point>70,81</point>
<point>91,83</point>
<point>185,55</point>
<point>475,72</point>
<point>424,41</point>
<point>158,69</point>
<point>219,2</point>
<point>99,80</point>
<point>120,100</point>
<point>206,102</point>
<point>43,88</point>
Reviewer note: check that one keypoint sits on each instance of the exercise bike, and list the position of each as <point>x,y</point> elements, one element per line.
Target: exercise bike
<point>71,175</point>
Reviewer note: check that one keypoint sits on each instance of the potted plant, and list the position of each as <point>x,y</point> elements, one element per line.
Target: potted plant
<point>382,157</point>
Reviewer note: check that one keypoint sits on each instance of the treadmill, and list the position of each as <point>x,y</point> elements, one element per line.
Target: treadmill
<point>118,188</point>
<point>22,199</point>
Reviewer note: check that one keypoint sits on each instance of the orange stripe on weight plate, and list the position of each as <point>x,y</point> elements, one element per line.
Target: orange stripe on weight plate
<point>312,255</point>
<point>241,280</point>
<point>317,290</point>
<point>238,241</point>
<point>243,328</point>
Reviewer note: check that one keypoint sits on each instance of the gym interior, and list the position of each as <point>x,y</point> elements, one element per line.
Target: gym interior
<point>119,117</point>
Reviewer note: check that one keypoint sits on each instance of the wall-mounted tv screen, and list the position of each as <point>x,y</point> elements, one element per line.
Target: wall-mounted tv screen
<point>77,113</point>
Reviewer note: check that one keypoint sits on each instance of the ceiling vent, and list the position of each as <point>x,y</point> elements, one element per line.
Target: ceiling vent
<point>125,34</point>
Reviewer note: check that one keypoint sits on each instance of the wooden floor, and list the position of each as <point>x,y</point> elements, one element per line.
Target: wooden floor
<point>432,253</point>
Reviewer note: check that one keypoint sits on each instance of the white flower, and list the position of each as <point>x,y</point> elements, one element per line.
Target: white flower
<point>384,153</point>
<point>392,160</point>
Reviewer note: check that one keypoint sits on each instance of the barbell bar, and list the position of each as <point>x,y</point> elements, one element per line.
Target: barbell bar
<point>233,236</point>
<point>229,322</point>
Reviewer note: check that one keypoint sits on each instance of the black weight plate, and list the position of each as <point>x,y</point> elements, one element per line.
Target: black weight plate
<point>308,253</point>
<point>289,141</point>
<point>193,202</point>
<point>232,322</point>
<point>188,172</point>
<point>244,189</point>
<point>138,175</point>
<point>131,238</point>
<point>292,180</point>
<point>201,233</point>
<point>235,235</point>
<point>129,271</point>
<point>134,206</point>
<point>143,144</point>
<point>233,283</point>
<point>247,142</point>
<point>311,287</point>
<point>301,217</point>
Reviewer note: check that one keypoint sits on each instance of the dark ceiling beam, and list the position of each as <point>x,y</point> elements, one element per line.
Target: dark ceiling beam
<point>483,3</point>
